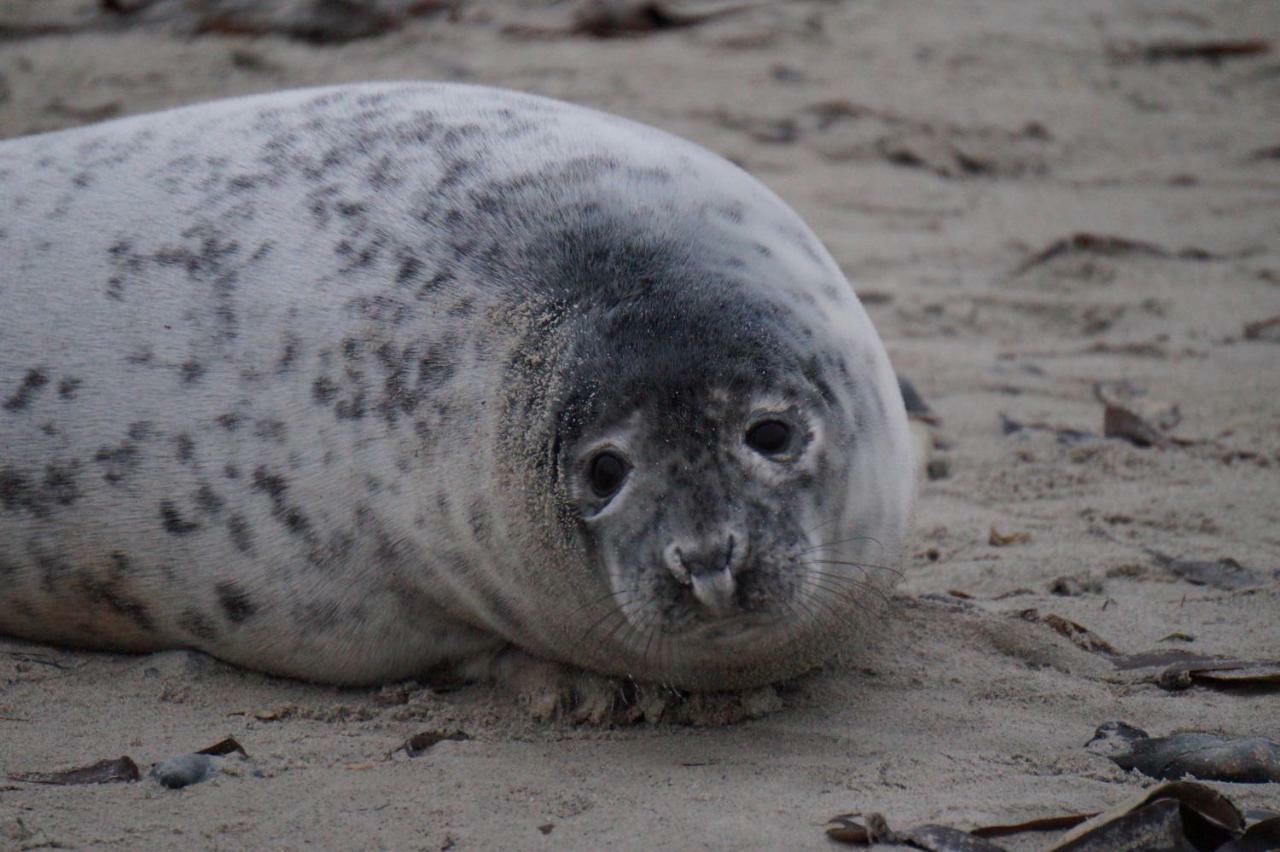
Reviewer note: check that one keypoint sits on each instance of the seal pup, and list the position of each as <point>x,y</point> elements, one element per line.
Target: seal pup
<point>372,382</point>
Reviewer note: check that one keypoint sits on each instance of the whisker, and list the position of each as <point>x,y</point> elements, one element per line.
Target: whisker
<point>850,584</point>
<point>619,608</point>
<point>598,601</point>
<point>838,541</point>
<point>868,566</point>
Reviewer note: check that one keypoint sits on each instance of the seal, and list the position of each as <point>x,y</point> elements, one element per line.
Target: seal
<point>373,382</point>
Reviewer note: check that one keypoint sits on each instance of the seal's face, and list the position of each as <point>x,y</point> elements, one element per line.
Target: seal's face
<point>700,507</point>
<point>710,471</point>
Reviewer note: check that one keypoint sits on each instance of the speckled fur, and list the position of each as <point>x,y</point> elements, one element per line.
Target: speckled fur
<point>304,381</point>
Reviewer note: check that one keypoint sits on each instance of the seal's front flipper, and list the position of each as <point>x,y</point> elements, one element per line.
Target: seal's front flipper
<point>558,692</point>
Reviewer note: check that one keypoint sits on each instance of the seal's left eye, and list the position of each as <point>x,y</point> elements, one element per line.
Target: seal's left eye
<point>607,471</point>
<point>769,437</point>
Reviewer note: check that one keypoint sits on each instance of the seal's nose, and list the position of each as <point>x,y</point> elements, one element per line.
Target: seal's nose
<point>707,568</point>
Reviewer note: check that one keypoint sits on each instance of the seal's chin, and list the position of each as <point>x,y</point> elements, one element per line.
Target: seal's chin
<point>731,630</point>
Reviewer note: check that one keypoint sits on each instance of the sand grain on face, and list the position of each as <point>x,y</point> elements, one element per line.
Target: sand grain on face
<point>935,154</point>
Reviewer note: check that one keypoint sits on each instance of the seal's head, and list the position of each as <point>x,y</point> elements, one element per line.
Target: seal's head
<point>730,474</point>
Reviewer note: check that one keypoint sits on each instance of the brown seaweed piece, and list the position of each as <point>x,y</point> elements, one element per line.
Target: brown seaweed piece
<point>1108,245</point>
<point>1225,573</point>
<point>613,18</point>
<point>1262,836</point>
<point>102,772</point>
<point>1176,816</point>
<point>932,838</point>
<point>1265,329</point>
<point>1121,422</point>
<point>1209,51</point>
<point>917,408</point>
<point>224,747</point>
<point>1209,757</point>
<point>1080,636</point>
<point>418,744</point>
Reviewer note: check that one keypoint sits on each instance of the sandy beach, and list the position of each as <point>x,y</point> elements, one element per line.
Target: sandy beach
<point>1046,208</point>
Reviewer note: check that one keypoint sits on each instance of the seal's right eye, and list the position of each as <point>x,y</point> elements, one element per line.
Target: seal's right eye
<point>607,472</point>
<point>769,437</point>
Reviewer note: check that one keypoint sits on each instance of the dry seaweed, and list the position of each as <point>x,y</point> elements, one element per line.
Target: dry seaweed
<point>1079,635</point>
<point>418,744</point>
<point>1209,757</point>
<point>934,838</point>
<point>1121,422</point>
<point>1225,573</point>
<point>1009,426</point>
<point>1108,245</point>
<point>999,539</point>
<point>1209,51</point>
<point>1181,815</point>
<point>1263,836</point>
<point>917,408</point>
<point>224,747</point>
<point>102,772</point>
<point>612,18</point>
<point>1265,329</point>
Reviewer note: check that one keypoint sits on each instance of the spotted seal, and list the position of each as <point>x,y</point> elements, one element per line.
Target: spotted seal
<point>371,382</point>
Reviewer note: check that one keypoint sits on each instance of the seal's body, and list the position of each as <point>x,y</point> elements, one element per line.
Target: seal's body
<point>351,384</point>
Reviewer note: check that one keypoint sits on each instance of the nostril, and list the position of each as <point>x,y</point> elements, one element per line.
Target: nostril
<point>676,564</point>
<point>687,561</point>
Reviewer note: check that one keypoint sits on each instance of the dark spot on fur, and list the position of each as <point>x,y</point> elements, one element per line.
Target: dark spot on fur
<point>478,521</point>
<point>269,430</point>
<point>174,523</point>
<point>15,490</point>
<point>230,471</point>
<point>289,354</point>
<point>67,388</point>
<point>235,602</point>
<point>109,593</point>
<point>198,625</point>
<point>410,267</point>
<point>208,500</point>
<point>140,430</point>
<point>323,390</point>
<point>230,421</point>
<point>295,521</point>
<point>191,372</point>
<point>273,485</point>
<point>119,462</point>
<point>32,382</point>
<point>60,483</point>
<point>352,409</point>
<point>185,447</point>
<point>439,280</point>
<point>276,487</point>
<point>241,534</point>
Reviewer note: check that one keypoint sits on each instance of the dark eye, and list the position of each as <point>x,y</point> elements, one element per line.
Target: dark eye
<point>769,437</point>
<point>607,472</point>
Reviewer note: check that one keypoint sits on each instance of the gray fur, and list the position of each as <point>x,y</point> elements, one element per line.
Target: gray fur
<point>310,381</point>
